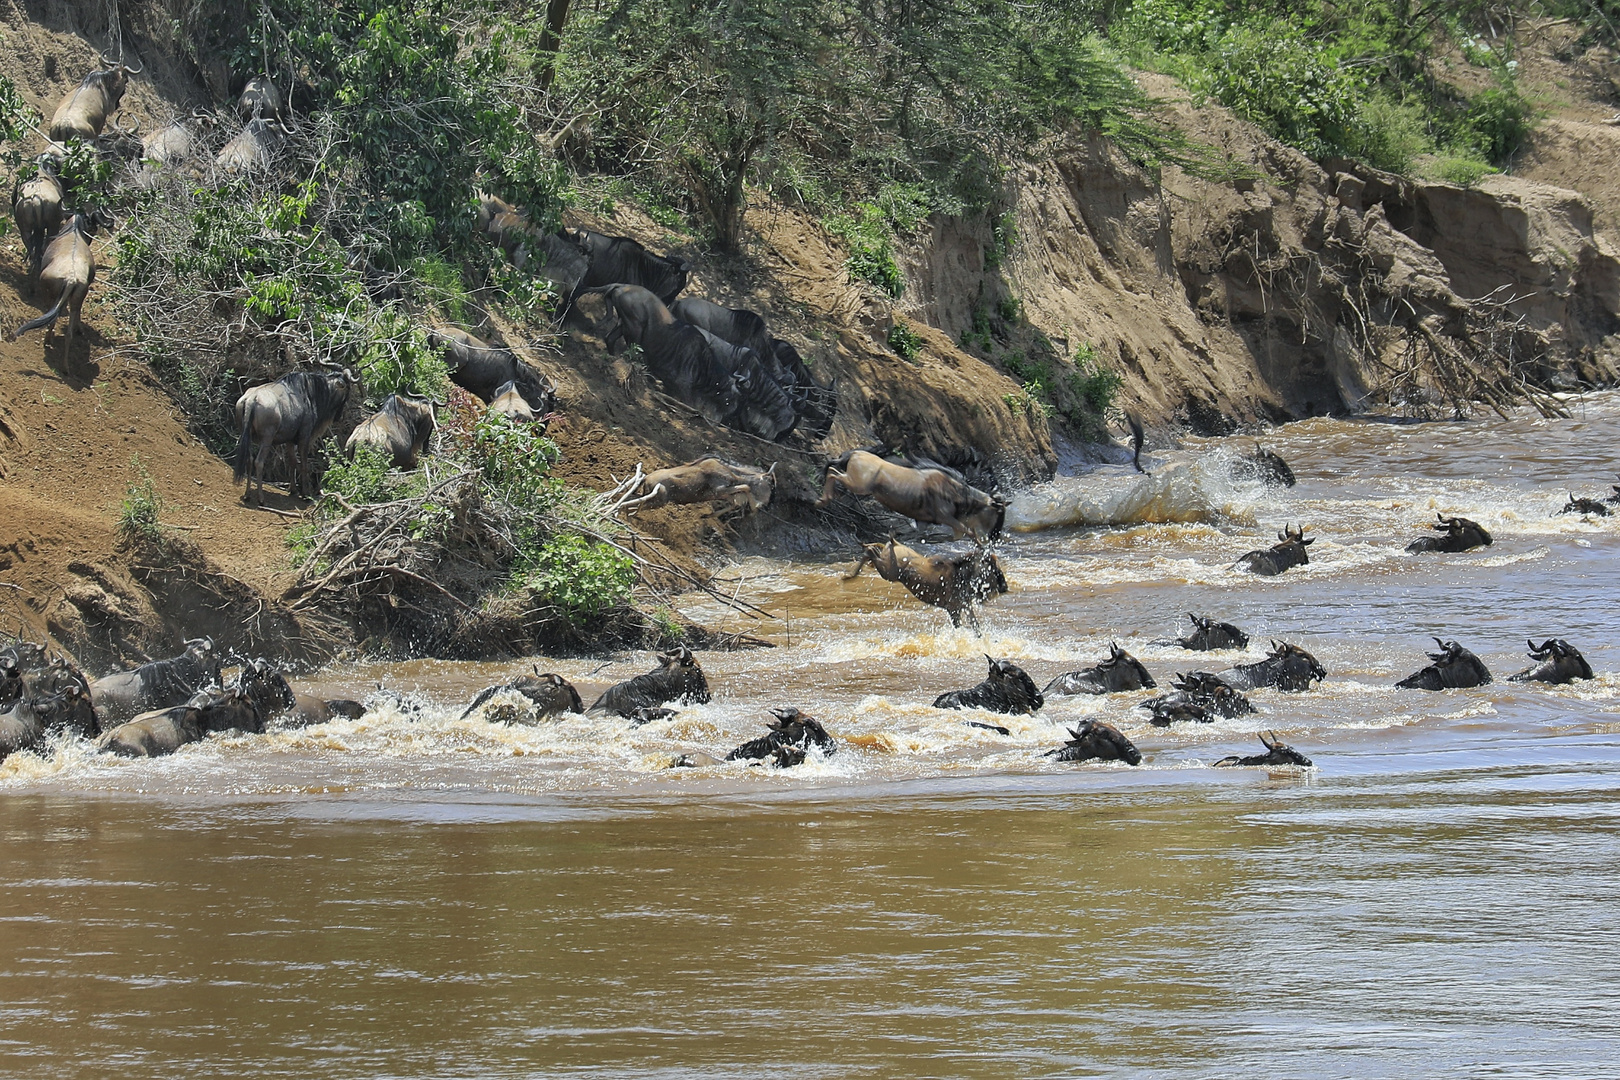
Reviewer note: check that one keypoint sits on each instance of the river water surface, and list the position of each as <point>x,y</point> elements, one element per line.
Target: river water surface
<point>413,894</point>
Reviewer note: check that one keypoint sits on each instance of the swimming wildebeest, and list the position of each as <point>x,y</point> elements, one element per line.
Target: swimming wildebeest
<point>68,272</point>
<point>258,692</point>
<point>400,429</point>
<point>676,678</point>
<point>1118,671</point>
<point>311,709</point>
<point>1584,506</point>
<point>930,495</point>
<point>706,480</point>
<point>1457,534</point>
<point>1207,634</point>
<point>84,111</point>
<point>27,721</point>
<point>1199,697</point>
<point>1454,668</point>
<point>681,357</point>
<point>552,695</point>
<point>297,410</point>
<point>1557,661</point>
<point>1007,689</point>
<point>483,369</point>
<point>37,207</point>
<point>157,685</point>
<point>791,729</point>
<point>1277,753</point>
<point>1265,466</point>
<point>1269,562</point>
<point>1288,668</point>
<point>956,583</point>
<point>1095,740</point>
<point>619,260</point>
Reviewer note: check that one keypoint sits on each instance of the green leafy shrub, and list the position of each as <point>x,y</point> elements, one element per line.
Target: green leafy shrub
<point>17,118</point>
<point>515,459</point>
<point>394,356</point>
<point>871,249</point>
<point>580,577</point>
<point>142,506</point>
<point>360,479</point>
<point>905,341</point>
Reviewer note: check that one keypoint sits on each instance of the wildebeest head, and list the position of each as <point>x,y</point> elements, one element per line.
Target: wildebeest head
<point>1013,681</point>
<point>1208,634</point>
<point>265,687</point>
<point>1099,741</point>
<point>1287,667</point>
<point>800,728</point>
<point>1130,667</point>
<point>1557,661</point>
<point>1277,753</point>
<point>681,665</point>
<point>260,98</point>
<point>1294,534</point>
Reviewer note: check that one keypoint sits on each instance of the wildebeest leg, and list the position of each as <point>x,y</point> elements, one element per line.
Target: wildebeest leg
<point>860,564</point>
<point>829,490</point>
<point>261,461</point>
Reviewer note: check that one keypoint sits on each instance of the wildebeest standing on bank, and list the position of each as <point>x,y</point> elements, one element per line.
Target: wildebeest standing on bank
<point>156,685</point>
<point>1119,671</point>
<point>1288,667</point>
<point>261,97</point>
<point>706,480</point>
<point>1454,668</point>
<point>738,326</point>
<point>1269,562</point>
<point>84,111</point>
<point>1277,753</point>
<point>1457,534</point>
<point>676,678</point>
<point>297,410</point>
<point>1557,662</point>
<point>679,356</point>
<point>1095,740</point>
<point>619,260</point>
<point>1006,689</point>
<point>68,273</point>
<point>37,207</point>
<point>400,428</point>
<point>929,495</point>
<point>816,405</point>
<point>956,583</point>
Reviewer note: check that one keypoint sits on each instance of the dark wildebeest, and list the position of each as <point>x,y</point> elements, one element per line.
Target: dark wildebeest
<point>738,326</point>
<point>73,709</point>
<point>483,369</point>
<point>676,678</point>
<point>763,407</point>
<point>680,356</point>
<point>1458,534</point>
<point>27,720</point>
<point>619,260</point>
<point>552,695</point>
<point>1119,671</point>
<point>1138,437</point>
<point>1584,506</point>
<point>564,262</point>
<point>1277,753</point>
<point>1454,668</point>
<point>45,696</point>
<point>792,730</point>
<point>1265,466</point>
<point>509,402</point>
<point>1557,662</point>
<point>68,272</point>
<point>260,98</point>
<point>1007,689</point>
<point>400,429</point>
<point>1289,668</point>
<point>957,583</point>
<point>816,405</point>
<point>297,409</point>
<point>1095,740</point>
<point>18,660</point>
<point>84,111</point>
<point>1200,697</point>
<point>705,480</point>
<point>157,685</point>
<point>1207,634</point>
<point>930,495</point>
<point>37,207</point>
<point>257,693</point>
<point>1269,562</point>
<point>253,149</point>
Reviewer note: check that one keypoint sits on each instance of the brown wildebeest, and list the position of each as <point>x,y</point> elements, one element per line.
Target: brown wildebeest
<point>253,149</point>
<point>37,207</point>
<point>84,111</point>
<point>956,583</point>
<point>296,409</point>
<point>706,480</point>
<point>69,271</point>
<point>924,495</point>
<point>510,404</point>
<point>1271,561</point>
<point>401,429</point>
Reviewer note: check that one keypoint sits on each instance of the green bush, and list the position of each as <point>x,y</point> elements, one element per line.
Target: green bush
<point>361,479</point>
<point>581,578</point>
<point>138,514</point>
<point>871,249</point>
<point>905,341</point>
<point>394,356</point>
<point>515,459</point>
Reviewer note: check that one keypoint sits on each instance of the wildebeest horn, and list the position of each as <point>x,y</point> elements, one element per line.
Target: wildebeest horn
<point>772,470</point>
<point>1269,738</point>
<point>132,70</point>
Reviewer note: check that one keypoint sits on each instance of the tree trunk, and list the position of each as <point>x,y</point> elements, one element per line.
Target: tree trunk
<point>551,40</point>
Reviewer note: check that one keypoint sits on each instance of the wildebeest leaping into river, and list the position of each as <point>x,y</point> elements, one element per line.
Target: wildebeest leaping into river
<point>928,495</point>
<point>956,583</point>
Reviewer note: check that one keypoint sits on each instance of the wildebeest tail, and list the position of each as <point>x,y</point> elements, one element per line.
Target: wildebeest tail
<point>44,320</point>
<point>244,444</point>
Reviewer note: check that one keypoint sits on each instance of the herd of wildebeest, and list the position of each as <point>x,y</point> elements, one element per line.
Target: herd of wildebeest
<point>724,364</point>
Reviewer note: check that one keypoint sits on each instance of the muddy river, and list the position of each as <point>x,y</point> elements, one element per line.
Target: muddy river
<point>412,894</point>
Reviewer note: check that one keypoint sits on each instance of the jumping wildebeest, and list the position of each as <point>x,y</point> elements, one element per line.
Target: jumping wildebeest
<point>957,583</point>
<point>68,272</point>
<point>763,407</point>
<point>1460,534</point>
<point>1288,668</point>
<point>1269,562</point>
<point>84,111</point>
<point>1265,466</point>
<point>1277,753</point>
<point>792,730</point>
<point>1454,668</point>
<point>157,685</point>
<point>1007,689</point>
<point>400,429</point>
<point>925,495</point>
<point>253,149</point>
<point>1095,740</point>
<point>483,369</point>
<point>1119,671</point>
<point>1557,662</point>
<point>552,695</point>
<point>676,678</point>
<point>296,409</point>
<point>508,402</point>
<point>1138,437</point>
<point>1584,506</point>
<point>619,260</point>
<point>260,98</point>
<point>680,356</point>
<point>37,207</point>
<point>1207,634</point>
<point>706,480</point>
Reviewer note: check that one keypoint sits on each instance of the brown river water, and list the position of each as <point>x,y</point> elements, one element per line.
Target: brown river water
<point>411,894</point>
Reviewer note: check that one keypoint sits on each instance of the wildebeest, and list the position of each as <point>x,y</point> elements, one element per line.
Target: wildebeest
<point>681,357</point>
<point>311,709</point>
<point>1207,634</point>
<point>1584,506</point>
<point>619,260</point>
<point>257,693</point>
<point>1119,671</point>
<point>23,723</point>
<point>1457,534</point>
<point>816,405</point>
<point>956,583</point>
<point>929,495</point>
<point>706,480</point>
<point>551,694</point>
<point>1007,689</point>
<point>297,410</point>
<point>1288,668</point>
<point>1138,437</point>
<point>483,369</point>
<point>84,111</point>
<point>68,272</point>
<point>792,730</point>
<point>1269,562</point>
<point>1454,668</point>
<point>1277,753</point>
<point>156,685</point>
<point>1265,466</point>
<point>1095,740</point>
<point>508,402</point>
<point>253,149</point>
<point>564,260</point>
<point>260,98</point>
<point>52,699</point>
<point>676,678</point>
<point>736,325</point>
<point>763,407</point>
<point>1199,697</point>
<point>400,428</point>
<point>37,207</point>
<point>1557,661</point>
